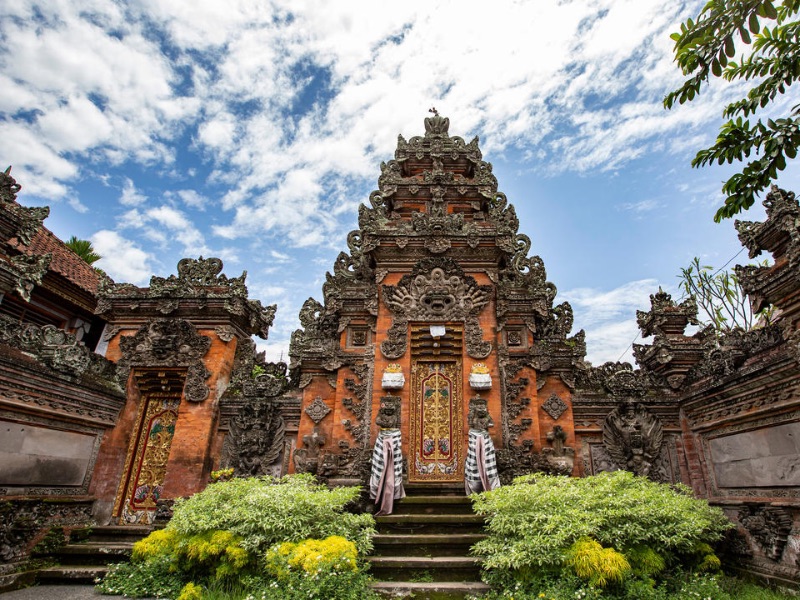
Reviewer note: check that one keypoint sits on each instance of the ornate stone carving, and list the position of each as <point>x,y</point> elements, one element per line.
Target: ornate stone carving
<point>554,406</point>
<point>633,437</point>
<point>255,440</point>
<point>389,413</point>
<point>394,346</point>
<point>169,343</point>
<point>436,291</point>
<point>769,526</point>
<point>9,188</point>
<point>198,281</point>
<point>57,349</point>
<point>317,410</point>
<point>29,272</point>
<point>30,221</point>
<point>478,417</point>
<point>559,457</point>
<point>21,520</point>
<point>307,459</point>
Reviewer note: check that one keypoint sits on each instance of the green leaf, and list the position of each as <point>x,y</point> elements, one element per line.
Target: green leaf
<point>752,23</point>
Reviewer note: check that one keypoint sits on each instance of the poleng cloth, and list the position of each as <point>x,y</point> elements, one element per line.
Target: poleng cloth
<point>480,468</point>
<point>386,481</point>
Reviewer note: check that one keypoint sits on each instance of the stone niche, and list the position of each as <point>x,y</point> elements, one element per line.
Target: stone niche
<point>768,457</point>
<point>32,455</point>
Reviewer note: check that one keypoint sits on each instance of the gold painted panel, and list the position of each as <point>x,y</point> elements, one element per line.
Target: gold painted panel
<point>436,422</point>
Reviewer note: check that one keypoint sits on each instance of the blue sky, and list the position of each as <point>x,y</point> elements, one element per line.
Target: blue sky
<point>252,130</point>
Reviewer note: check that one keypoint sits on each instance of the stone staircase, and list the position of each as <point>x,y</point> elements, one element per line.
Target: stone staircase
<point>89,552</point>
<point>422,549</point>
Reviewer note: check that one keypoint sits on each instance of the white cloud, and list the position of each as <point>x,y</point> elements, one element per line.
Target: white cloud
<point>609,317</point>
<point>122,259</point>
<point>130,195</point>
<point>192,198</point>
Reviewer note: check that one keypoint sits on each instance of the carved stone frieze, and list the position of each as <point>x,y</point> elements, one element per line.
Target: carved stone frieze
<point>169,343</point>
<point>768,526</point>
<point>58,349</point>
<point>633,437</point>
<point>436,290</point>
<point>198,281</point>
<point>21,520</point>
<point>307,458</point>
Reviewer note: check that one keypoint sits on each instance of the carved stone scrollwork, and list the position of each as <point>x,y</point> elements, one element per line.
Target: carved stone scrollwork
<point>169,343</point>
<point>633,437</point>
<point>30,222</point>
<point>394,346</point>
<point>476,346</point>
<point>769,526</point>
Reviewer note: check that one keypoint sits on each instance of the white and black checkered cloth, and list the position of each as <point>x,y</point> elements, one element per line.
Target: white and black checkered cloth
<point>473,467</point>
<point>393,435</point>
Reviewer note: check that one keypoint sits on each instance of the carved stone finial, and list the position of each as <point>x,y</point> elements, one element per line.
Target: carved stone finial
<point>8,187</point>
<point>436,125</point>
<point>666,318</point>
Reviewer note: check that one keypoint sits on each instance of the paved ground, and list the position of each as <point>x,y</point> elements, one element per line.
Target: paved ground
<point>56,592</point>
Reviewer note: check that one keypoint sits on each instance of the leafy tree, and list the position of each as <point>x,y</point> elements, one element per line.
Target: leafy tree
<point>720,296</point>
<point>84,249</point>
<point>704,48</point>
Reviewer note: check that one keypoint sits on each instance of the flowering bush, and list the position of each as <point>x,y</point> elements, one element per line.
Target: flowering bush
<point>603,536</point>
<point>219,538</point>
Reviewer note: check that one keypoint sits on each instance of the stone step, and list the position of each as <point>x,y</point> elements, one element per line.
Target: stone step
<point>420,544</point>
<point>433,504</point>
<point>421,568</point>
<point>71,574</point>
<point>111,533</point>
<point>429,523</point>
<point>92,553</point>
<point>443,590</point>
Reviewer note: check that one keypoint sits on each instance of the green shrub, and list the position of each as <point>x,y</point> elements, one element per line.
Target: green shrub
<point>264,511</point>
<point>154,577</point>
<point>544,527</point>
<point>218,538</point>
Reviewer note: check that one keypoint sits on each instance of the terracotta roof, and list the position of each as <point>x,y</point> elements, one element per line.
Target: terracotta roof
<point>64,262</point>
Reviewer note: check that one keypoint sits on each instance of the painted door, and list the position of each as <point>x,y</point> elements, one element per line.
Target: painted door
<point>436,423</point>
<point>148,451</point>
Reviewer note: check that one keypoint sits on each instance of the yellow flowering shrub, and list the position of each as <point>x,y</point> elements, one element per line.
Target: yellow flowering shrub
<point>333,554</point>
<point>159,543</point>
<point>599,566</point>
<point>218,549</point>
<point>191,591</point>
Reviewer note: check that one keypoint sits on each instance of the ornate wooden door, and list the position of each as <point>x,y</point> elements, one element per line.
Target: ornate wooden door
<point>436,413</point>
<point>146,462</point>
